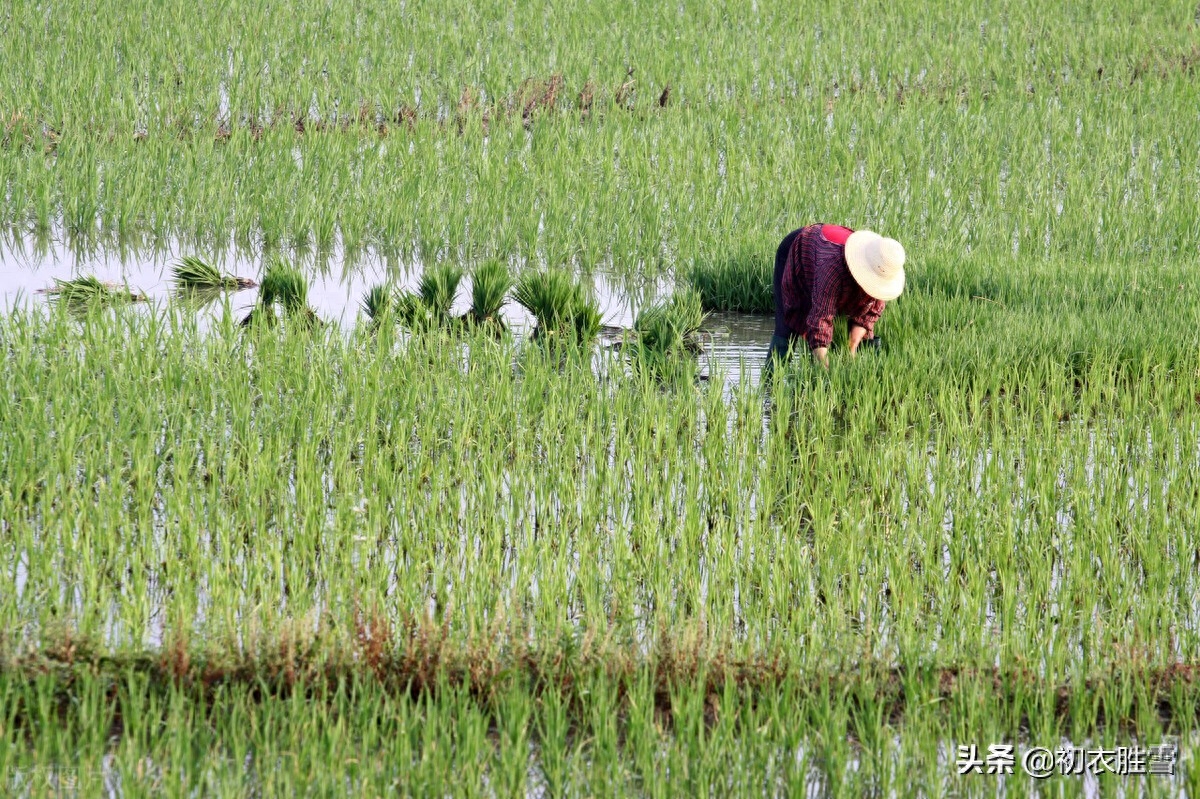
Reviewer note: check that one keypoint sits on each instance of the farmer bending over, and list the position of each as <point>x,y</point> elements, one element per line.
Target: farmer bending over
<point>826,271</point>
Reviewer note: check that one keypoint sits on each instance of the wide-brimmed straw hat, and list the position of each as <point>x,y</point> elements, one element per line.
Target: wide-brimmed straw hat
<point>876,263</point>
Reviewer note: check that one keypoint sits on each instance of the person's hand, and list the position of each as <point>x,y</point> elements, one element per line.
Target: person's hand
<point>857,334</point>
<point>822,355</point>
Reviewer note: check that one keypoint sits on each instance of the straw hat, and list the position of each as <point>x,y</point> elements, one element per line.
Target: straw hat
<point>876,263</point>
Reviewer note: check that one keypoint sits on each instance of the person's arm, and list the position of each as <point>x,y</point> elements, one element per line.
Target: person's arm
<point>862,326</point>
<point>818,328</point>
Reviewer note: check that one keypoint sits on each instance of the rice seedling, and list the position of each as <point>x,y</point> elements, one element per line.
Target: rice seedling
<point>430,305</point>
<point>741,285</point>
<point>379,304</point>
<point>561,306</point>
<point>321,468</point>
<point>191,272</point>
<point>634,180</point>
<point>672,326</point>
<point>283,285</point>
<point>89,290</point>
<point>490,283</point>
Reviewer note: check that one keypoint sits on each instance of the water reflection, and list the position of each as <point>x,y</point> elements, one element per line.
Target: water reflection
<point>736,343</point>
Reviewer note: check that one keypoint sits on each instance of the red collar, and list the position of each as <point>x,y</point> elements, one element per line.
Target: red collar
<point>836,234</point>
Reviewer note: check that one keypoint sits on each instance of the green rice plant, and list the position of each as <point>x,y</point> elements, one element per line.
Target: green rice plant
<point>561,306</point>
<point>379,304</point>
<point>285,286</point>
<point>431,303</point>
<point>437,288</point>
<point>490,283</point>
<point>734,285</point>
<point>89,290</point>
<point>828,580</point>
<point>193,273</point>
<point>852,119</point>
<point>672,326</point>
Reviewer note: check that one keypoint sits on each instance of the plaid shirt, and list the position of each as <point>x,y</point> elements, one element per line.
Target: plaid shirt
<point>817,287</point>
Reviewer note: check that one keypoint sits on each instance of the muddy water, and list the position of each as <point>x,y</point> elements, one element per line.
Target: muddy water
<point>735,348</point>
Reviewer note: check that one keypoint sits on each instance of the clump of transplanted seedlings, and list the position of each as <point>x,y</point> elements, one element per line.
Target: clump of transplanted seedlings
<point>89,290</point>
<point>490,283</point>
<point>561,306</point>
<point>283,286</point>
<point>429,306</point>
<point>379,304</point>
<point>738,285</point>
<point>191,272</point>
<point>672,327</point>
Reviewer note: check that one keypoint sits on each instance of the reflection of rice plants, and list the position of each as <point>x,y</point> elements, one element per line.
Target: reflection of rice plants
<point>285,286</point>
<point>561,306</point>
<point>192,273</point>
<point>90,290</point>
<point>672,326</point>
<point>197,298</point>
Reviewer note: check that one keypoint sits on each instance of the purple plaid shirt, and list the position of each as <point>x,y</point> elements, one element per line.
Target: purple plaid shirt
<point>817,287</point>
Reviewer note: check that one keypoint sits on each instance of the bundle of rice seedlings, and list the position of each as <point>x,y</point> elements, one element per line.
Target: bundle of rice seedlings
<point>656,330</point>
<point>490,284</point>
<point>284,285</point>
<point>89,289</point>
<point>437,288</point>
<point>431,303</point>
<point>673,325</point>
<point>410,310</point>
<point>560,305</point>
<point>585,315</point>
<point>193,273</point>
<point>378,303</point>
<point>547,296</point>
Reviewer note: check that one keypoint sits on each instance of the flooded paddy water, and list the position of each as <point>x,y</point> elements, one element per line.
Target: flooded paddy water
<point>735,344</point>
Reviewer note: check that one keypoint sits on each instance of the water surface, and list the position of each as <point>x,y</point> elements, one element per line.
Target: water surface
<point>735,344</point>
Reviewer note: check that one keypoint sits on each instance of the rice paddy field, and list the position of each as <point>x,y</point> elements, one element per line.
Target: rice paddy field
<point>468,498</point>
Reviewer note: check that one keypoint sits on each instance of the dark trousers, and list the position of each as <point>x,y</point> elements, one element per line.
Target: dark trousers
<point>784,337</point>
